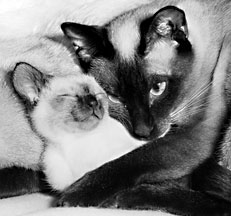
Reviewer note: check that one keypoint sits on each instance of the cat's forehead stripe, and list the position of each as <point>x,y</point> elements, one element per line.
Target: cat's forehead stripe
<point>125,38</point>
<point>160,57</point>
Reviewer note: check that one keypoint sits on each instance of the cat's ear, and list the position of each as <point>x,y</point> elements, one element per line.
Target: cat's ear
<point>88,41</point>
<point>28,81</point>
<point>169,22</point>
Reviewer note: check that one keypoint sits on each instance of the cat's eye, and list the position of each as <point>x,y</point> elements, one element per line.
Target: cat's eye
<point>158,89</point>
<point>114,99</point>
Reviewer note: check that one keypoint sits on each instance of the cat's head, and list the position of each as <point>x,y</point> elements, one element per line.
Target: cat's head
<point>69,103</point>
<point>144,62</point>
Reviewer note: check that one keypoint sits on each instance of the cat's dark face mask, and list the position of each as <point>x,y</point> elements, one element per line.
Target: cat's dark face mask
<point>143,65</point>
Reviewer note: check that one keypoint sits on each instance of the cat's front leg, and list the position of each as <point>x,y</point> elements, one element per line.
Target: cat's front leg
<point>85,192</point>
<point>172,157</point>
<point>173,199</point>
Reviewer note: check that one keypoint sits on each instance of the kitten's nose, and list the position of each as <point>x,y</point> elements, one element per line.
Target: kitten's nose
<point>91,101</point>
<point>95,105</point>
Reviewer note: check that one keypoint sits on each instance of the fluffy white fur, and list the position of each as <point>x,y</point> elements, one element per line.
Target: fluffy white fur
<point>71,152</point>
<point>18,144</point>
<point>72,157</point>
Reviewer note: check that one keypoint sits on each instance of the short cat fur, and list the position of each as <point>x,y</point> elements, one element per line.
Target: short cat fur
<point>162,44</point>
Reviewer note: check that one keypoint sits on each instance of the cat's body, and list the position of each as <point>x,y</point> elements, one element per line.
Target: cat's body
<point>170,65</point>
<point>71,114</point>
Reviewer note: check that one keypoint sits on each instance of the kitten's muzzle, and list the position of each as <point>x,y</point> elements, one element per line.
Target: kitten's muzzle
<point>88,106</point>
<point>95,105</point>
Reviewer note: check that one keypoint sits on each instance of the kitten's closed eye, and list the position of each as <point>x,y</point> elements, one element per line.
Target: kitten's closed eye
<point>68,96</point>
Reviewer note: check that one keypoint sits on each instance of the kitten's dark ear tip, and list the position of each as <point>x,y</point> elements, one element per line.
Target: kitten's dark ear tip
<point>64,26</point>
<point>69,28</point>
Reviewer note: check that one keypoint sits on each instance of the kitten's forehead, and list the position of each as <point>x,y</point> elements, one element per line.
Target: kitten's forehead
<point>125,37</point>
<point>75,85</point>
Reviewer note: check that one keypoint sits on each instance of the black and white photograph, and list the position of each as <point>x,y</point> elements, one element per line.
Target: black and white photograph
<point>115,107</point>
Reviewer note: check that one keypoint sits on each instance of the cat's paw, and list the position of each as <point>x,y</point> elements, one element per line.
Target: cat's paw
<point>82,193</point>
<point>126,199</point>
<point>68,200</point>
<point>78,198</point>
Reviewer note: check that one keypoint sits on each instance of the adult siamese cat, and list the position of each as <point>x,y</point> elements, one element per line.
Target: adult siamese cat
<point>71,114</point>
<point>167,66</point>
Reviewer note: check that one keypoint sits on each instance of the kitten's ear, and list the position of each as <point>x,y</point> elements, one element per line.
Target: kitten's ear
<point>88,41</point>
<point>169,22</point>
<point>28,81</point>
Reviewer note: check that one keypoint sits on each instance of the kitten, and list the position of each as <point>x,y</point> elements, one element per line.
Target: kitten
<point>71,114</point>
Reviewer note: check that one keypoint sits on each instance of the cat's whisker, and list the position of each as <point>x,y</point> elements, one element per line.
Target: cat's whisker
<point>201,91</point>
<point>187,113</point>
<point>199,94</point>
<point>192,101</point>
<point>121,117</point>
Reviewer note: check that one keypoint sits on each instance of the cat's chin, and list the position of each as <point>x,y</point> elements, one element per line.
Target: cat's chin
<point>155,134</point>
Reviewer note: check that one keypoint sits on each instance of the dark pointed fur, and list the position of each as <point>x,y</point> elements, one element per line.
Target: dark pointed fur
<point>17,181</point>
<point>143,179</point>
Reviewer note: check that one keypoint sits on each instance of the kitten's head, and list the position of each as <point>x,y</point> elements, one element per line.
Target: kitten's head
<point>61,104</point>
<point>144,63</point>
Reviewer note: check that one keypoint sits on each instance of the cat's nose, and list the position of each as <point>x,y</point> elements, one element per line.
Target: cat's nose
<point>143,131</point>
